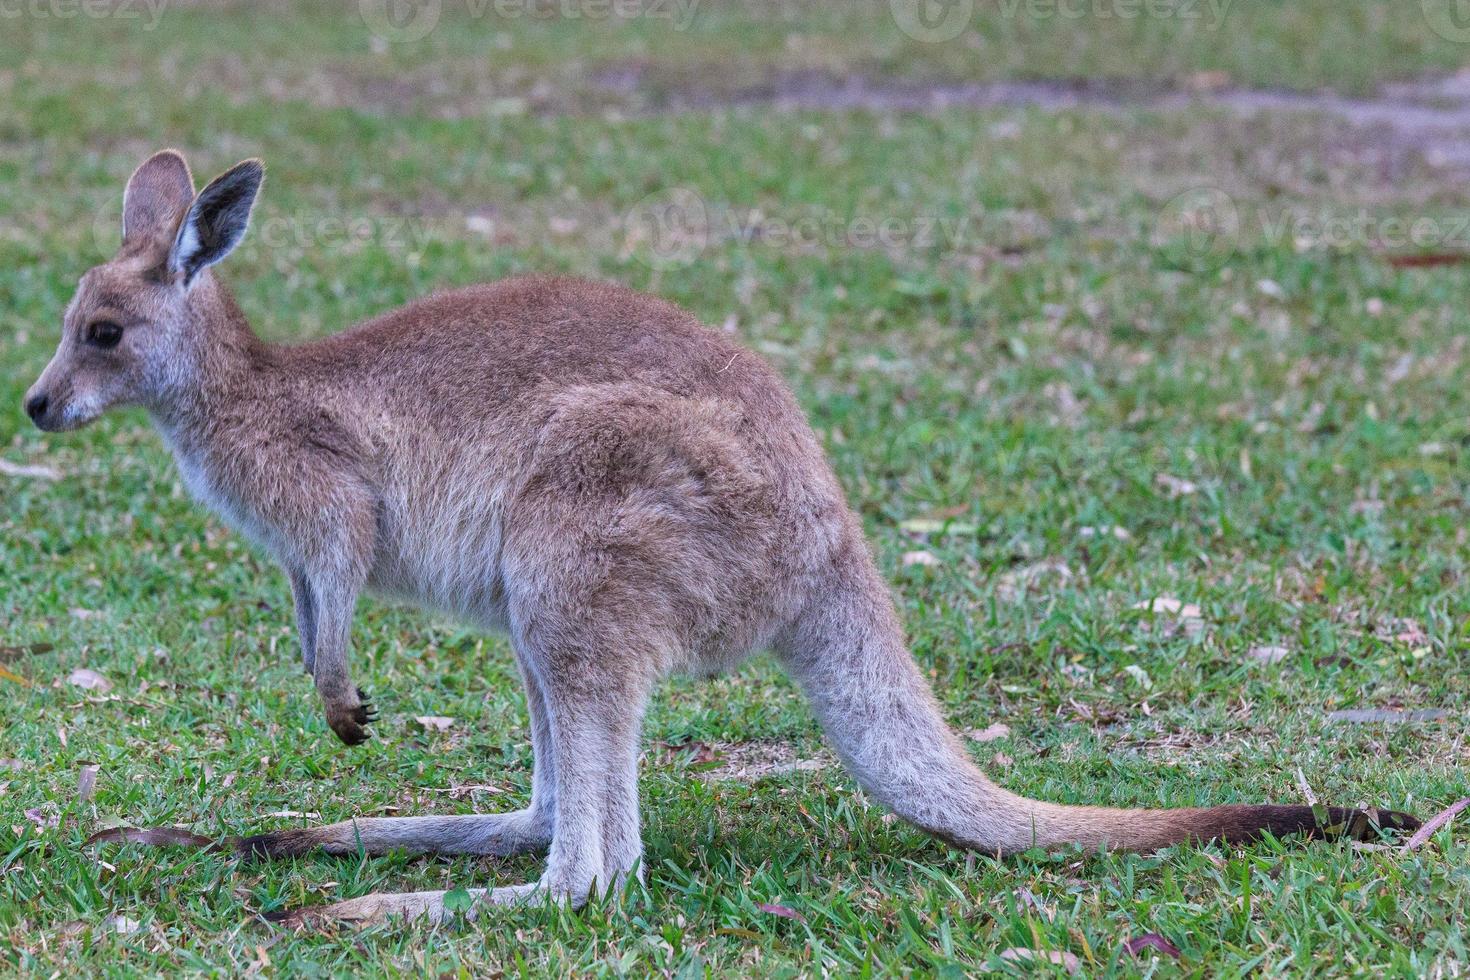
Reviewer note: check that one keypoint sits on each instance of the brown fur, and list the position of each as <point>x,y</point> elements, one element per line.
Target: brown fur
<point>625,492</point>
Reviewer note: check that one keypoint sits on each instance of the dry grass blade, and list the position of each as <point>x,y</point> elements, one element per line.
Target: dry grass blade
<point>156,836</point>
<point>1387,716</point>
<point>29,470</point>
<point>1061,958</point>
<point>11,675</point>
<point>1433,826</point>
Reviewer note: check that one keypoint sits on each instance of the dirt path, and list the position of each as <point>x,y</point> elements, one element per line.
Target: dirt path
<point>1431,117</point>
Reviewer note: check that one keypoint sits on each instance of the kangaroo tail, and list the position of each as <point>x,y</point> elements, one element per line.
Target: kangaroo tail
<point>847,652</point>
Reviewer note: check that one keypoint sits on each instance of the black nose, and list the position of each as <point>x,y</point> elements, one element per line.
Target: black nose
<point>36,406</point>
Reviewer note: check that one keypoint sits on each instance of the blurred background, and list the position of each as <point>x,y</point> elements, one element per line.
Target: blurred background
<point>1136,331</point>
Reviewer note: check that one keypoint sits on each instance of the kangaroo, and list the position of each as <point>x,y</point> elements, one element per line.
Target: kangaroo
<point>624,492</point>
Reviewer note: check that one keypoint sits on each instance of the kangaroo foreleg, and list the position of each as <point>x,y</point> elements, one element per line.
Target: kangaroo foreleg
<point>349,711</point>
<point>305,603</point>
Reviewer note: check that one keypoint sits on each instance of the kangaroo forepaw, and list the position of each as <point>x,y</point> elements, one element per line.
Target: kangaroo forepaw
<point>350,721</point>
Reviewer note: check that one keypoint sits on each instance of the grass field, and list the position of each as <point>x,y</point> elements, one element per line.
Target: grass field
<point>1049,399</point>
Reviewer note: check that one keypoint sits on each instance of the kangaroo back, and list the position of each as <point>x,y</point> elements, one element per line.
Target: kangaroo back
<point>848,654</point>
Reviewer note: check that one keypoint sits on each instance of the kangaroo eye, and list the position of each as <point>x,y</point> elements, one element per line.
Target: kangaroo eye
<point>104,334</point>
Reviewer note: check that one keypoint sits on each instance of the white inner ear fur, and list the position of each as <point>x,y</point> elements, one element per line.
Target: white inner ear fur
<point>186,244</point>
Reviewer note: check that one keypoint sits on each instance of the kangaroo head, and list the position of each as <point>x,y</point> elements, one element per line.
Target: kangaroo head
<point>139,324</point>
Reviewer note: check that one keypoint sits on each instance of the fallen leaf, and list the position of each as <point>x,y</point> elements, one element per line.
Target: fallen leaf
<point>1174,486</point>
<point>782,911</point>
<point>291,814</point>
<point>1019,954</point>
<point>1271,288</point>
<point>1151,940</point>
<point>156,836</point>
<point>437,723</point>
<point>918,558</point>
<point>990,733</point>
<point>1140,675</point>
<point>1170,606</point>
<point>89,680</point>
<point>33,471</point>
<point>87,782</point>
<point>1409,632</point>
<point>928,525</point>
<point>77,612</point>
<point>1428,260</point>
<point>15,764</point>
<point>1269,654</point>
<point>1113,530</point>
<point>1432,827</point>
<point>121,924</point>
<point>1368,716</point>
<point>15,653</point>
<point>694,754</point>
<point>44,817</point>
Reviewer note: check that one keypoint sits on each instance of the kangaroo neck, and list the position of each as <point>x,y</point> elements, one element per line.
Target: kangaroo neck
<point>225,369</point>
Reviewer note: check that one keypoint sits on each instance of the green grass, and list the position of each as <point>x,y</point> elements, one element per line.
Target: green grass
<point>1027,377</point>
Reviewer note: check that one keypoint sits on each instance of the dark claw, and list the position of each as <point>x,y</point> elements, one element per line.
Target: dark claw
<point>352,733</point>
<point>351,726</point>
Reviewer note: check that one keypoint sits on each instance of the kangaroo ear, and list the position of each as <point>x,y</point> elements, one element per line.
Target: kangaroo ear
<point>216,220</point>
<point>157,194</point>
